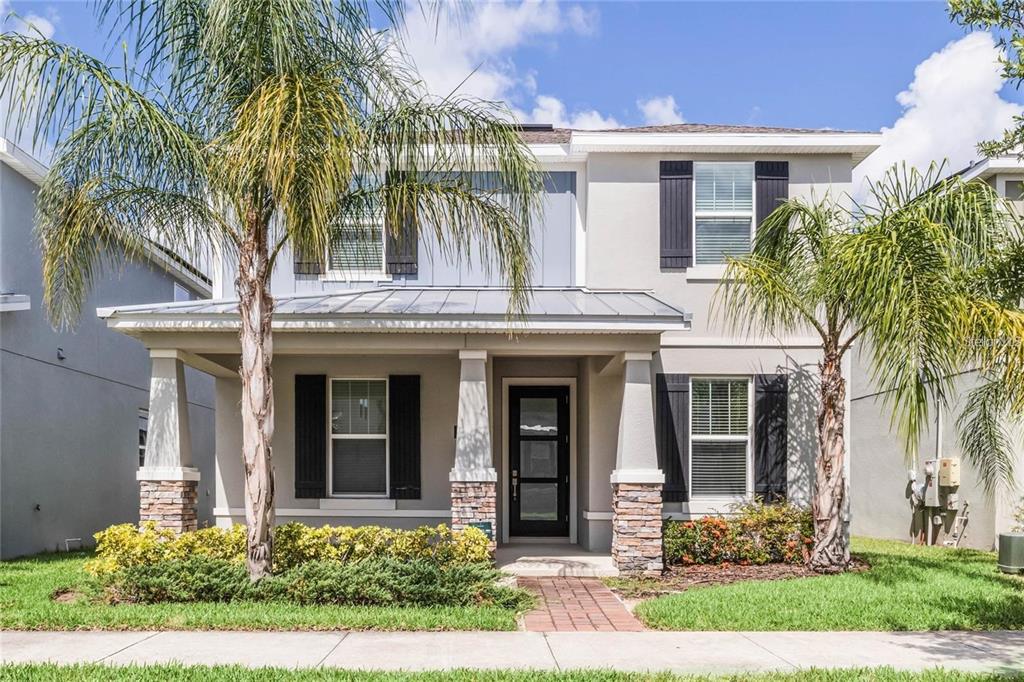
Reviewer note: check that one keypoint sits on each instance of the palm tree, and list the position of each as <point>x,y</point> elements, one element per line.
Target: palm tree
<point>903,275</point>
<point>255,126</point>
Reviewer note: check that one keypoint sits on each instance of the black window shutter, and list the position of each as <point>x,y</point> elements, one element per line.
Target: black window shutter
<point>310,436</point>
<point>771,400</point>
<point>676,204</point>
<point>404,435</point>
<point>672,431</point>
<point>303,264</point>
<point>401,243</point>
<point>771,179</point>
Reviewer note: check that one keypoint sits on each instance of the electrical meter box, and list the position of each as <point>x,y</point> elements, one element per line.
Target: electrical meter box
<point>949,472</point>
<point>931,484</point>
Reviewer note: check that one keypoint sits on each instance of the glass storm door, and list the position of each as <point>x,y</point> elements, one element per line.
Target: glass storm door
<point>539,460</point>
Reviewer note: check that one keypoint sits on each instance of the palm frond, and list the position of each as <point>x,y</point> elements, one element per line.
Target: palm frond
<point>986,436</point>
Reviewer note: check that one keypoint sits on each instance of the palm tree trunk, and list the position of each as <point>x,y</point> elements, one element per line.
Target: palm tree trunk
<point>831,553</point>
<point>255,307</point>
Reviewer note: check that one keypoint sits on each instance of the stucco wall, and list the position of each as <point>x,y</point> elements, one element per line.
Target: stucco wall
<point>69,427</point>
<point>623,224</point>
<point>439,377</point>
<point>879,482</point>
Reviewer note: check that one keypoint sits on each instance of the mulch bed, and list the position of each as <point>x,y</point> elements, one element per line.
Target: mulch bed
<point>681,578</point>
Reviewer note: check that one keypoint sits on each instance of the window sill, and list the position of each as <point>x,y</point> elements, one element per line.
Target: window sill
<point>367,503</point>
<point>706,273</point>
<point>355,276</point>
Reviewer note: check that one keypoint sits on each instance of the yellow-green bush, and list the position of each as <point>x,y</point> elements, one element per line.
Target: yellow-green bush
<point>124,545</point>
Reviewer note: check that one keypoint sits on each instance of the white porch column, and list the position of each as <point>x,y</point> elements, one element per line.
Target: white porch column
<point>637,481</point>
<point>474,480</point>
<point>168,481</point>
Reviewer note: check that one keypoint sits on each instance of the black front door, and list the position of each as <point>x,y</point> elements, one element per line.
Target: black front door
<point>539,460</point>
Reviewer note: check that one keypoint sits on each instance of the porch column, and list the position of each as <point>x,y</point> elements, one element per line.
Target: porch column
<point>167,480</point>
<point>637,480</point>
<point>473,479</point>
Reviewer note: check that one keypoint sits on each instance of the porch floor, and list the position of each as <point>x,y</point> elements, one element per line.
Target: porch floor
<point>551,560</point>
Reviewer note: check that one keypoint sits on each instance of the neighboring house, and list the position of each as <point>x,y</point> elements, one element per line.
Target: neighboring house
<point>74,405</point>
<point>402,399</point>
<point>882,504</point>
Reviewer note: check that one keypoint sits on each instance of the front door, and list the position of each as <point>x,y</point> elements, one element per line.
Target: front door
<point>539,460</point>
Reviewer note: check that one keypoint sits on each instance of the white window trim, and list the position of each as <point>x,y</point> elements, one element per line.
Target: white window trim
<point>143,413</point>
<point>713,500</point>
<point>386,437</point>
<point>716,271</point>
<point>339,275</point>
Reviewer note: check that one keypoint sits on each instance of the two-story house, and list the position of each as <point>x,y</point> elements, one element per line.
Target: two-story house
<point>74,404</point>
<point>885,495</point>
<point>405,396</point>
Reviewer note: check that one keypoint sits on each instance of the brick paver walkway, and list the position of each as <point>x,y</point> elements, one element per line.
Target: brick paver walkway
<point>576,604</point>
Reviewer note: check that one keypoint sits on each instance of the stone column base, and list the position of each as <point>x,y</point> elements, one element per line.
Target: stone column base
<point>170,504</point>
<point>636,528</point>
<point>475,502</point>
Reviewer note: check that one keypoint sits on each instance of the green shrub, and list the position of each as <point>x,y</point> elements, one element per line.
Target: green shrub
<point>758,534</point>
<point>197,578</point>
<point>124,546</point>
<point>367,582</point>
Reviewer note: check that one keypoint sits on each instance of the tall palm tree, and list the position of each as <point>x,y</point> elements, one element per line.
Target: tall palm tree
<point>903,276</point>
<point>255,126</point>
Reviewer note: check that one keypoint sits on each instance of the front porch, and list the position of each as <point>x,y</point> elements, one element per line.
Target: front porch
<point>542,434</point>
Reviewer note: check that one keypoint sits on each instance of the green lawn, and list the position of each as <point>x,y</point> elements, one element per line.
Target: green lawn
<point>171,673</point>
<point>907,588</point>
<point>27,586</point>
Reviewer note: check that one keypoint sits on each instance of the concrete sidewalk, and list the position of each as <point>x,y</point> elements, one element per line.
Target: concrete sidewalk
<point>684,652</point>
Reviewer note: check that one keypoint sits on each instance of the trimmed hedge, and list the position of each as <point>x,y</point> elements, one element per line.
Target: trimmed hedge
<point>367,582</point>
<point>758,534</point>
<point>126,546</point>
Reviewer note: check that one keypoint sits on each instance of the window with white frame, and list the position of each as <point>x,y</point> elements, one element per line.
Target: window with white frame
<point>719,437</point>
<point>358,460</point>
<point>723,211</point>
<point>358,246</point>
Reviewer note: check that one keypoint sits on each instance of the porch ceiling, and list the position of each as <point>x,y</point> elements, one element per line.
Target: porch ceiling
<point>423,309</point>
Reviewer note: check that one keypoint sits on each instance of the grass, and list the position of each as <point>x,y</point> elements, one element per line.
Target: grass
<point>175,673</point>
<point>27,587</point>
<point>907,588</point>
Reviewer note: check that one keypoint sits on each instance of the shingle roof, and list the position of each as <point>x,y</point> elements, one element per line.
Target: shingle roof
<point>539,135</point>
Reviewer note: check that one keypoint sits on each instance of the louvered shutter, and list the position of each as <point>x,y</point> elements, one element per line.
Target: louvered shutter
<point>672,431</point>
<point>676,214</point>
<point>771,179</point>
<point>404,436</point>
<point>401,243</point>
<point>310,436</point>
<point>771,403</point>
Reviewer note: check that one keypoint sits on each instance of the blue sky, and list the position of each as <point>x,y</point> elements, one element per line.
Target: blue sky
<point>813,64</point>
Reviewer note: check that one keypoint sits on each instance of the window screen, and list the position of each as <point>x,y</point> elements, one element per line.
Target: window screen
<point>719,437</point>
<point>724,216</point>
<point>359,436</point>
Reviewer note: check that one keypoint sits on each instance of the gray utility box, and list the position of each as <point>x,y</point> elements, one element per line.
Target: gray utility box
<point>1011,552</point>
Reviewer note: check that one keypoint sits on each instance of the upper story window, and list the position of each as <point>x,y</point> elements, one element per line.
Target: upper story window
<point>358,247</point>
<point>719,437</point>
<point>182,294</point>
<point>723,211</point>
<point>1015,190</point>
<point>358,460</point>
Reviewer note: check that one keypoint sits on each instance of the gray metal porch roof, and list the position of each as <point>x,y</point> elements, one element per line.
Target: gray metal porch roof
<point>426,308</point>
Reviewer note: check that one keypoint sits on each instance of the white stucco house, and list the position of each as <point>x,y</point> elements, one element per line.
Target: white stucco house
<point>403,399</point>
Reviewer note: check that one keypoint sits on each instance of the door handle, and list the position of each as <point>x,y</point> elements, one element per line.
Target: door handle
<point>515,483</point>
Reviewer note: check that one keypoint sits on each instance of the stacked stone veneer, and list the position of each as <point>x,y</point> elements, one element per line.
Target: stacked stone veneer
<point>473,502</point>
<point>636,528</point>
<point>171,504</point>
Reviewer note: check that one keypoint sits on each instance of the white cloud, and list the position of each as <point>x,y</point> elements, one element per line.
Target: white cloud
<point>471,54</point>
<point>584,21</point>
<point>28,24</point>
<point>659,110</point>
<point>952,104</point>
<point>552,110</point>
